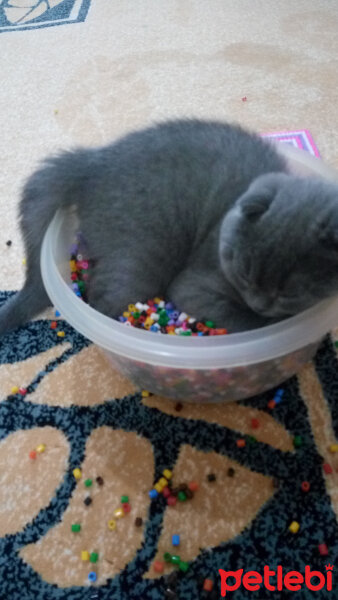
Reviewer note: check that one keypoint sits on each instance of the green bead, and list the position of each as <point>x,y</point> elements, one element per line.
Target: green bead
<point>88,482</point>
<point>175,559</point>
<point>336,344</point>
<point>136,315</point>
<point>210,324</point>
<point>186,333</point>
<point>251,439</point>
<point>94,557</point>
<point>183,566</point>
<point>297,441</point>
<point>124,499</point>
<point>167,557</point>
<point>181,496</point>
<point>76,527</point>
<point>81,285</point>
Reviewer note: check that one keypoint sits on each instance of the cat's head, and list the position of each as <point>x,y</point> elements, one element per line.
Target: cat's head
<point>279,244</point>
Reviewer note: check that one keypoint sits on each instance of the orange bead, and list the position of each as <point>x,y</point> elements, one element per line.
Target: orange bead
<point>271,404</point>
<point>193,486</point>
<point>53,324</point>
<point>241,443</point>
<point>158,566</point>
<point>32,454</point>
<point>208,585</point>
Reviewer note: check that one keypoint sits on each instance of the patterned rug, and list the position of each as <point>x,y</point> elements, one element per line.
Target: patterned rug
<point>252,486</point>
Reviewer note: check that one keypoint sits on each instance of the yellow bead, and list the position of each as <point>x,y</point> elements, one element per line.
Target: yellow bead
<point>157,300</point>
<point>24,261</point>
<point>145,394</point>
<point>40,448</point>
<point>61,334</point>
<point>167,473</point>
<point>15,389</point>
<point>77,473</point>
<point>126,314</point>
<point>294,527</point>
<point>131,308</point>
<point>85,555</point>
<point>72,264</point>
<point>111,524</point>
<point>149,321</point>
<point>163,481</point>
<point>119,513</point>
<point>333,448</point>
<point>173,333</point>
<point>158,487</point>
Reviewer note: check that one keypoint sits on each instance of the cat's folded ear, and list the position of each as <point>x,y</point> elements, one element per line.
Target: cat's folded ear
<point>259,196</point>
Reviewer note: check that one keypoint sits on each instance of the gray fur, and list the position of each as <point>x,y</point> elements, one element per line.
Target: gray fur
<point>203,213</point>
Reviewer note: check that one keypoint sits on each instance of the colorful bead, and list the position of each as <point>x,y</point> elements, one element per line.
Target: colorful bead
<point>145,394</point>
<point>181,496</point>
<point>77,473</point>
<point>111,524</point>
<point>297,441</point>
<point>166,492</point>
<point>76,527</point>
<point>15,389</point>
<point>40,448</point>
<point>153,494</point>
<point>32,454</point>
<point>138,522</point>
<point>193,486</point>
<point>175,559</point>
<point>158,487</point>
<point>327,468</point>
<point>53,325</point>
<point>85,555</point>
<point>254,425</point>
<point>241,443</point>
<point>323,549</point>
<point>88,482</point>
<point>167,557</point>
<point>119,513</point>
<point>208,585</point>
<point>294,527</point>
<point>171,500</point>
<point>271,404</point>
<point>99,481</point>
<point>22,391</point>
<point>57,313</point>
<point>163,481</point>
<point>175,539</point>
<point>305,486</point>
<point>92,576</point>
<point>94,557</point>
<point>333,448</point>
<point>158,566</point>
<point>61,334</point>
<point>183,566</point>
<point>124,499</point>
<point>126,507</point>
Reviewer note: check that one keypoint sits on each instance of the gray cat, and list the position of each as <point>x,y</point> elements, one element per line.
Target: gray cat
<point>203,213</point>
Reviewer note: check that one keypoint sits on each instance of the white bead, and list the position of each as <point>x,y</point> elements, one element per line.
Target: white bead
<point>182,317</point>
<point>161,304</point>
<point>139,305</point>
<point>155,317</point>
<point>191,320</point>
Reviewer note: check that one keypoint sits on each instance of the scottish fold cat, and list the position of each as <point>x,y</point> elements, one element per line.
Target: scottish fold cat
<point>204,213</point>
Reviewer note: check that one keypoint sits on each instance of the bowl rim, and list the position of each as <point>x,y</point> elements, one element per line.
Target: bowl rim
<point>231,350</point>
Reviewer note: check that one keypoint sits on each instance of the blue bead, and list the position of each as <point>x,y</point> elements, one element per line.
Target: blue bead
<point>92,576</point>
<point>57,313</point>
<point>200,333</point>
<point>153,494</point>
<point>175,540</point>
<point>122,319</point>
<point>153,328</point>
<point>78,294</point>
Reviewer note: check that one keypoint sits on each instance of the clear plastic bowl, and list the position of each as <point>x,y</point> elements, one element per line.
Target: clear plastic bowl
<point>207,369</point>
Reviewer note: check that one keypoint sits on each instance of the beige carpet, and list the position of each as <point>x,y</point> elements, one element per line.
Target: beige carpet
<point>126,65</point>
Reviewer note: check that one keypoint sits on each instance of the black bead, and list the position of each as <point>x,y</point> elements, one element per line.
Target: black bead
<point>138,522</point>
<point>9,242</point>
<point>211,477</point>
<point>87,501</point>
<point>99,481</point>
<point>178,406</point>
<point>231,472</point>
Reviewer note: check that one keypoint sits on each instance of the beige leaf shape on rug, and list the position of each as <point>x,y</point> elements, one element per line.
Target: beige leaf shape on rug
<point>22,373</point>
<point>125,462</point>
<point>232,415</point>
<point>219,511</point>
<point>85,379</point>
<point>26,485</point>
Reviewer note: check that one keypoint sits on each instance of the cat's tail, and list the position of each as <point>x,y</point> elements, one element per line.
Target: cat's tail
<point>59,182</point>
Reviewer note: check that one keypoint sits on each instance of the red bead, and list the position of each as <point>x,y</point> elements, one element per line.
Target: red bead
<point>254,423</point>
<point>158,566</point>
<point>271,404</point>
<point>126,507</point>
<point>305,486</point>
<point>166,492</point>
<point>327,468</point>
<point>32,454</point>
<point>240,443</point>
<point>208,585</point>
<point>53,324</point>
<point>193,486</point>
<point>73,276</point>
<point>323,549</point>
<point>22,391</point>
<point>171,500</point>
<point>244,99</point>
